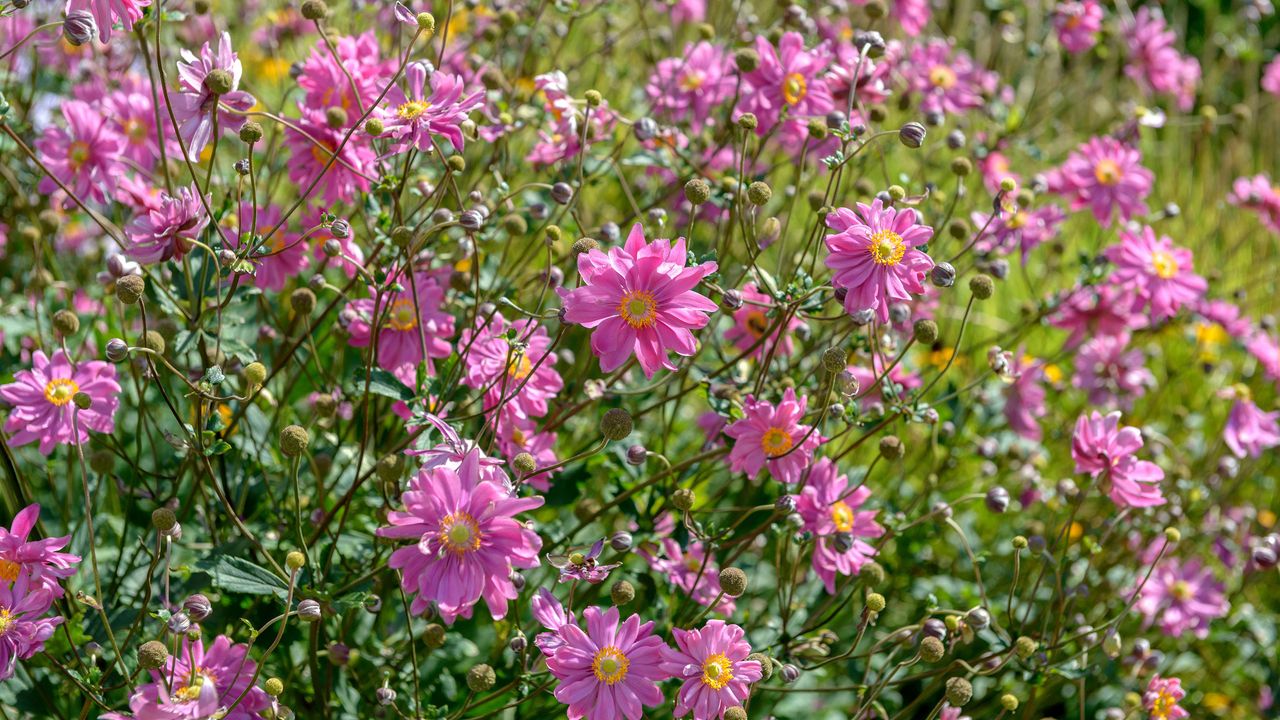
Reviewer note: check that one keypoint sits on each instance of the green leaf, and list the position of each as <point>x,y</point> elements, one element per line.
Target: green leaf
<point>236,574</point>
<point>385,384</point>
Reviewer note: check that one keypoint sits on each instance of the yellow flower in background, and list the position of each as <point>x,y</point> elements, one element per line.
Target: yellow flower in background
<point>1210,337</point>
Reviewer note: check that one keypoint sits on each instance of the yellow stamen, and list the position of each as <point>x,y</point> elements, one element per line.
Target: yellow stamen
<point>794,88</point>
<point>941,76</point>
<point>1163,264</point>
<point>887,247</point>
<point>639,309</point>
<point>1108,172</point>
<point>412,109</point>
<point>402,315</point>
<point>842,516</point>
<point>717,671</point>
<point>610,665</point>
<point>9,570</point>
<point>459,533</point>
<point>59,391</point>
<point>776,441</point>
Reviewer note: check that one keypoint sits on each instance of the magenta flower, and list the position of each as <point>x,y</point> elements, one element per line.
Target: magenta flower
<point>1162,697</point>
<point>1110,371</point>
<point>38,560</point>
<point>1107,176</point>
<point>753,320</point>
<point>912,15</point>
<point>1022,229</point>
<point>689,569</point>
<point>1159,273</point>
<point>1258,194</point>
<point>196,683</point>
<point>467,541</point>
<point>610,670</point>
<point>548,611</point>
<point>788,83</point>
<point>1266,349</point>
<point>282,256</point>
<point>713,663</point>
<point>1154,63</point>
<point>165,230</point>
<point>1024,397</point>
<point>518,434</point>
<point>325,83</point>
<point>583,566</point>
<point>639,299</point>
<point>689,87</point>
<point>106,13</point>
<point>435,109</point>
<point>1077,23</point>
<point>312,143</point>
<point>413,327</point>
<point>1249,430</point>
<point>23,630</point>
<point>1088,311</point>
<point>512,363</point>
<point>132,111</point>
<point>85,156</point>
<point>873,256</point>
<point>947,80</point>
<point>830,510</point>
<point>1102,448</point>
<point>1271,77</point>
<point>195,105</point>
<point>1182,597</point>
<point>772,436</point>
<point>41,399</point>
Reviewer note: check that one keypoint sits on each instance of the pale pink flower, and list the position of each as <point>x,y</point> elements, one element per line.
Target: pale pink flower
<point>1162,697</point>
<point>946,79</point>
<point>42,401</point>
<point>313,144</point>
<point>1106,176</point>
<point>1271,77</point>
<point>832,514</point>
<point>873,256</point>
<point>167,229</point>
<point>85,156</point>
<point>1077,23</point>
<point>612,670</point>
<point>751,321</point>
<point>1182,596</point>
<point>106,13</point>
<point>1024,397</point>
<point>412,324</point>
<point>1112,372</point>
<point>1249,430</point>
<point>1102,448</point>
<point>434,105</point>
<point>788,84</point>
<point>773,437</point>
<point>690,86</point>
<point>1159,273</point>
<point>39,560</point>
<point>196,103</point>
<point>198,682</point>
<point>712,662</point>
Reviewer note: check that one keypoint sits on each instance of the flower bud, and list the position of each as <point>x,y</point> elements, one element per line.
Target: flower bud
<point>748,121</point>
<point>309,610</point>
<point>255,373</point>
<point>562,193</point>
<point>977,618</point>
<point>959,691</point>
<point>385,696</point>
<point>616,424</point>
<point>524,463</point>
<point>335,117</point>
<point>746,59</point>
<point>129,289</point>
<point>303,301</point>
<point>733,582</point>
<point>766,665</point>
<point>1024,647</point>
<point>481,678</point>
<point>163,519</point>
<point>790,673</point>
<point>295,560</point>
<point>943,275</point>
<point>273,686</point>
<point>621,541</point>
<point>925,331</point>
<point>875,602</point>
<point>932,650</point>
<point>997,499</point>
<point>758,193</point>
<point>79,27</point>
<point>835,359</point>
<point>622,592</point>
<point>735,713</point>
<point>152,655</point>
<point>66,322</point>
<point>434,636</point>
<point>593,98</point>
<point>250,132</point>
<point>314,9</point>
<point>294,440</point>
<point>197,607</point>
<point>636,455</point>
<point>982,286</point>
<point>82,400</point>
<point>683,499</point>
<point>960,167</point>
<point>912,134</point>
<point>219,81</point>
<point>697,191</point>
<point>891,448</point>
<point>426,22</point>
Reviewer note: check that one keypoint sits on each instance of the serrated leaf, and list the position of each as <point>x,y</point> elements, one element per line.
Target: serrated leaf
<point>235,574</point>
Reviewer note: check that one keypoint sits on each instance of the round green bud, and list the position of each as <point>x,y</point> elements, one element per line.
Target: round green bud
<point>746,59</point>
<point>1024,647</point>
<point>325,405</point>
<point>585,244</point>
<point>524,463</point>
<point>835,359</point>
<point>303,301</point>
<point>82,400</point>
<point>335,117</point>
<point>295,560</point>
<point>733,582</point>
<point>932,650</point>
<point>508,19</point>
<point>758,192</point>
<point>66,322</point>
<point>875,602</point>
<point>153,341</point>
<point>1019,543</point>
<point>314,9</point>
<point>426,22</point>
<point>982,286</point>
<point>250,132</point>
<point>683,499</point>
<point>152,655</point>
<point>958,229</point>
<point>959,691</point>
<point>457,163</point>
<point>255,373</point>
<point>129,289</point>
<point>434,635</point>
<point>748,121</point>
<point>616,424</point>
<point>735,713</point>
<point>818,129</point>
<point>925,331</point>
<point>274,686</point>
<point>515,224</point>
<point>891,448</point>
<point>401,236</point>
<point>593,98</point>
<point>1173,535</point>
<point>897,192</point>
<point>875,9</point>
<point>481,678</point>
<point>874,573</point>
<point>163,519</point>
<point>374,127</point>
<point>697,191</point>
<point>961,166</point>
<point>1007,185</point>
<point>389,467</point>
<point>1009,702</point>
<point>294,440</point>
<point>219,81</point>
<point>766,665</point>
<point>622,592</point>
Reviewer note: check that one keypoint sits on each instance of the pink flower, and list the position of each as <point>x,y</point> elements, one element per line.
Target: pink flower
<point>1088,311</point>
<point>582,566</point>
<point>912,15</point>
<point>689,87</point>
<point>165,230</point>
<point>1109,371</point>
<point>195,105</point>
<point>1022,229</point>
<point>830,512</point>
<point>311,146</point>
<point>1182,597</point>
<point>1159,273</point>
<point>413,327</point>
<point>41,399</point>
<point>1271,77</point>
<point>872,255</point>
<point>414,118</point>
<point>512,363</point>
<point>85,156</point>
<point>196,682</point>
<point>1266,349</point>
<point>1258,194</point>
<point>872,77</point>
<point>1161,699</point>
<point>789,78</point>
<point>325,83</point>
<point>950,712</point>
<point>22,605</point>
<point>610,670</point>
<point>713,663</point>
<point>106,13</point>
<point>132,111</point>
<point>548,611</point>
<point>1077,23</point>
<point>1024,397</point>
<point>518,434</point>
<point>467,540</point>
<point>689,569</point>
<point>947,80</point>
<point>38,560</point>
<point>773,437</point>
<point>639,299</point>
<point>1102,448</point>
<point>1249,430</point>
<point>1154,63</point>
<point>281,257</point>
<point>753,320</point>
<point>1107,176</point>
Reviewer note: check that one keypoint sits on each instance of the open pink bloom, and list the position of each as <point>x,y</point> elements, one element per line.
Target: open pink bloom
<point>1266,349</point>
<point>1088,311</point>
<point>639,299</point>
<point>325,83</point>
<point>313,144</point>
<point>165,231</point>
<point>712,662</point>
<point>1249,430</point>
<point>772,436</point>
<point>106,13</point>
<point>830,512</point>
<point>131,109</point>
<point>1106,176</point>
<point>22,605</point>
<point>195,105</point>
<point>1182,597</point>
<point>85,156</point>
<point>1022,229</point>
<point>873,256</point>
<point>434,105</point>
<point>467,540</point>
<point>1077,23</point>
<point>912,15</point>
<point>1154,63</point>
<point>689,569</point>
<point>872,382</point>
<point>950,712</point>
<point>872,84</point>
<point>1159,273</point>
<point>1258,194</point>
<point>551,613</point>
<point>41,399</point>
<point>753,320</point>
<point>411,320</point>
<point>612,670</point>
<point>1024,397</point>
<point>512,364</point>
<point>690,86</point>
<point>1271,77</point>
<point>995,167</point>
<point>947,80</point>
<point>282,255</point>
<point>1162,697</point>
<point>1102,448</point>
<point>789,83</point>
<point>197,683</point>
<point>517,434</point>
<point>39,560</point>
<point>1112,372</point>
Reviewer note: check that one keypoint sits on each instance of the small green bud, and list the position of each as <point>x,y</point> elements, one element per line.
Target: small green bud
<point>982,286</point>
<point>759,193</point>
<point>152,655</point>
<point>593,98</point>
<point>250,132</point>
<point>875,602</point>
<point>66,323</point>
<point>959,691</point>
<point>733,582</point>
<point>1024,647</point>
<point>434,636</point>
<point>616,424</point>
<point>891,448</point>
<point>481,678</point>
<point>683,499</point>
<point>295,560</point>
<point>1009,702</point>
<point>303,301</point>
<point>274,686</point>
<point>255,373</point>
<point>697,191</point>
<point>219,81</point>
<point>294,440</point>
<point>622,592</point>
<point>925,331</point>
<point>163,519</point>
<point>457,163</point>
<point>961,167</point>
<point>129,289</point>
<point>932,650</point>
<point>374,127</point>
<point>314,9</point>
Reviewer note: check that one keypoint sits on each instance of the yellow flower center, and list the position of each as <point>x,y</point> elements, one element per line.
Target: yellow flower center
<point>1163,705</point>
<point>1181,590</point>
<point>717,671</point>
<point>1018,220</point>
<point>195,681</point>
<point>402,315</point>
<point>59,391</point>
<point>1074,21</point>
<point>459,533</point>
<point>9,570</point>
<point>1163,264</point>
<point>135,130</point>
<point>941,76</point>
<point>412,109</point>
<point>842,516</point>
<point>639,309</point>
<point>692,80</point>
<point>794,88</point>
<point>887,247</point>
<point>6,619</point>
<point>610,665</point>
<point>321,152</point>
<point>520,366</point>
<point>78,154</point>
<point>756,323</point>
<point>1108,171</point>
<point>776,441</point>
